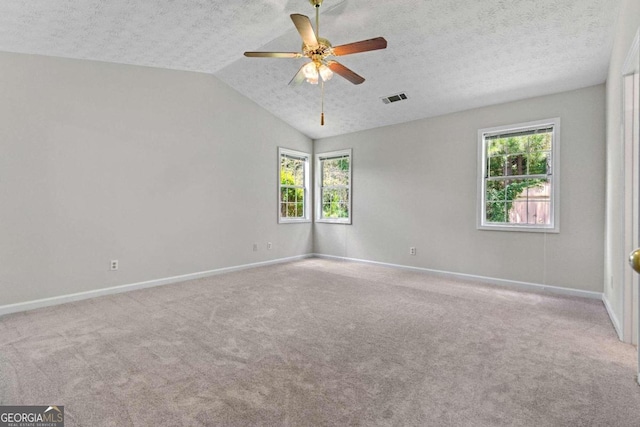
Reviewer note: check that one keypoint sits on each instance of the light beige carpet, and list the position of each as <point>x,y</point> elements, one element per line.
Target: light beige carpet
<point>320,342</point>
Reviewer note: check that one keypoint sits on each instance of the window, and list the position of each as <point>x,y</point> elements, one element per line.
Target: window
<point>293,198</point>
<point>518,170</point>
<point>333,180</point>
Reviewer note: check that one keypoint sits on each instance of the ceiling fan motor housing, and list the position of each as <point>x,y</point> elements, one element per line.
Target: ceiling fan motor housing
<point>320,52</point>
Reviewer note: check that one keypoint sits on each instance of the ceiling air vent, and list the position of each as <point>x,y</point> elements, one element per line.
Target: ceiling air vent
<point>394,98</point>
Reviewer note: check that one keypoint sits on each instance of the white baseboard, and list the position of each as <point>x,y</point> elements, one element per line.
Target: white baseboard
<point>535,287</point>
<point>62,299</point>
<point>612,316</point>
<point>46,302</point>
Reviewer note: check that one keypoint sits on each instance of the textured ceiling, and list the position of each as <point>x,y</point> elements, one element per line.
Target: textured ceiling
<point>447,55</point>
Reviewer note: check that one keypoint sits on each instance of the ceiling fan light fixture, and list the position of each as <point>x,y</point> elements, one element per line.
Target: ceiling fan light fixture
<point>310,72</point>
<point>325,72</point>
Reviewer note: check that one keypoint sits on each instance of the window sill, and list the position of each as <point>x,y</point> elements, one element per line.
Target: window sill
<point>334,221</point>
<point>519,228</point>
<point>293,221</point>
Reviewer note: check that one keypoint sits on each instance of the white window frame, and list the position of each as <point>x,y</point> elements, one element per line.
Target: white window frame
<point>553,175</point>
<point>319,189</point>
<point>307,193</point>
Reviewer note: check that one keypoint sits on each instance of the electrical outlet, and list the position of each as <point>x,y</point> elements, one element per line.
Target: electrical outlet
<point>255,247</point>
<point>114,265</point>
<point>412,250</point>
<point>269,245</point>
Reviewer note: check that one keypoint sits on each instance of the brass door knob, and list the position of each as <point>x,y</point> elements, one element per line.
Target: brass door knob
<point>634,260</point>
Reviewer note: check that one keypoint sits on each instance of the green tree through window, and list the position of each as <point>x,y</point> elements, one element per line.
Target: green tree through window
<point>334,185</point>
<point>293,185</point>
<point>511,163</point>
<point>335,194</point>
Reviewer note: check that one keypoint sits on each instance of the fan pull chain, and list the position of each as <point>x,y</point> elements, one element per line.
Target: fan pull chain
<point>322,104</point>
<point>317,21</point>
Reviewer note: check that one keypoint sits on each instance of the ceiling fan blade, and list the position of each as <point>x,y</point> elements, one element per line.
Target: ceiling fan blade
<point>298,78</point>
<point>272,54</point>
<point>361,46</point>
<point>303,25</point>
<point>340,69</point>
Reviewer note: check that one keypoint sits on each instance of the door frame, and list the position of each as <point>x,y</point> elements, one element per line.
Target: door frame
<point>631,211</point>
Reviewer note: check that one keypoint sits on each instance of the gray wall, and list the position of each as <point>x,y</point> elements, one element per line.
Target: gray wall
<point>174,173</point>
<point>415,184</point>
<point>169,172</point>
<point>616,256</point>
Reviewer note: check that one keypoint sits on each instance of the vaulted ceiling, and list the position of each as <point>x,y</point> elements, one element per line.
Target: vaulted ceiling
<point>446,55</point>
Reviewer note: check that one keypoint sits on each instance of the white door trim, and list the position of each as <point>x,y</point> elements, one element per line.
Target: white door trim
<point>631,140</point>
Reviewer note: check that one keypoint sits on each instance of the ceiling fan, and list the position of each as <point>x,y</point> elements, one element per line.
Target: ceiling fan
<point>318,50</point>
